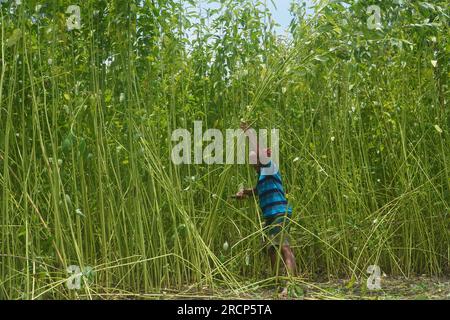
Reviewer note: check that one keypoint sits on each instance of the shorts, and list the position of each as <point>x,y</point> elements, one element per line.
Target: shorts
<point>277,229</point>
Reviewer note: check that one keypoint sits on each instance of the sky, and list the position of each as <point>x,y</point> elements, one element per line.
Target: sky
<point>281,14</point>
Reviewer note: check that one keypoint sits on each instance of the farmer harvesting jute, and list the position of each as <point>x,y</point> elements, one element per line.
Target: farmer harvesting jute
<point>274,206</point>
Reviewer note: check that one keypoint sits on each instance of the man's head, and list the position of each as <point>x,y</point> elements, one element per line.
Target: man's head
<point>260,160</point>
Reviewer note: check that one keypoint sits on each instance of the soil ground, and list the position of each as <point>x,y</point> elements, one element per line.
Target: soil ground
<point>417,288</point>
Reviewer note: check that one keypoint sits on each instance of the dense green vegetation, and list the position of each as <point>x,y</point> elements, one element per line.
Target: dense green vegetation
<point>86,118</point>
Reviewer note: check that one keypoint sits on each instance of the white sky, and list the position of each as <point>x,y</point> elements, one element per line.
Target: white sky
<point>280,14</point>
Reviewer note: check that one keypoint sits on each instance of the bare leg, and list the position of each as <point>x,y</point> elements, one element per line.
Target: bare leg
<point>289,259</point>
<point>273,257</point>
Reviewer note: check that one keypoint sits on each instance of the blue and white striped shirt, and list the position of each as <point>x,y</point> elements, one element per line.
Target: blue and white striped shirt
<point>272,198</point>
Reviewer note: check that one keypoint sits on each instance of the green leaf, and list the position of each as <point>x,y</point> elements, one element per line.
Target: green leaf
<point>89,274</point>
<point>438,129</point>
<point>15,37</point>
<point>67,144</point>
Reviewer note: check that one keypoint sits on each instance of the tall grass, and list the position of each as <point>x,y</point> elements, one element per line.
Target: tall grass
<point>86,118</point>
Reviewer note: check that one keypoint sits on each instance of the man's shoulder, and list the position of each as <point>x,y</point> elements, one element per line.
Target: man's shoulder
<point>270,170</point>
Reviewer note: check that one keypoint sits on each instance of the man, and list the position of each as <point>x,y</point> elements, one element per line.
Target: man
<point>275,208</point>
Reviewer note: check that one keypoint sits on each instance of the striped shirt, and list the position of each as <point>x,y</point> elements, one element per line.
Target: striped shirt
<point>272,198</point>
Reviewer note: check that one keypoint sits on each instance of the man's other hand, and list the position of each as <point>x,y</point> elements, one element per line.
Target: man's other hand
<point>240,195</point>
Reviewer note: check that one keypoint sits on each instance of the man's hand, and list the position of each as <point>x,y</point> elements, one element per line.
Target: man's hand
<point>244,193</point>
<point>241,195</point>
<point>244,126</point>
